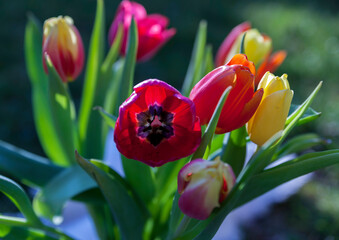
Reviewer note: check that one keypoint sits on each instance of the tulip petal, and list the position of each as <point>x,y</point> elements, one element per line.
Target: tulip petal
<point>270,64</point>
<point>242,59</point>
<point>270,117</point>
<point>227,44</point>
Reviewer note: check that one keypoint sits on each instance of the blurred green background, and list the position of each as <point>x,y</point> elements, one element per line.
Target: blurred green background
<point>307,30</point>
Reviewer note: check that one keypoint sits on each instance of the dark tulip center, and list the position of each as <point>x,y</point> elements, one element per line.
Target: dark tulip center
<point>155,124</point>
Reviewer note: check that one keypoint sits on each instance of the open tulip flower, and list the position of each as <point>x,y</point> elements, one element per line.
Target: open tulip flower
<point>242,101</point>
<point>157,124</point>
<point>257,47</point>
<point>152,32</point>
<point>203,185</point>
<point>63,44</point>
<point>272,112</point>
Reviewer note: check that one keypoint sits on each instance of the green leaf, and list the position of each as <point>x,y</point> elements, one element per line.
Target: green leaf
<point>128,70</point>
<point>208,61</point>
<point>308,116</point>
<point>113,51</point>
<point>111,98</point>
<point>44,125</point>
<point>299,143</point>
<point>208,135</point>
<point>63,111</point>
<point>234,151</point>
<point>125,210</point>
<point>175,216</point>
<point>293,119</point>
<point>242,44</point>
<point>193,74</point>
<point>273,177</point>
<point>109,119</point>
<point>140,177</point>
<point>217,142</point>
<point>95,59</point>
<point>50,200</point>
<point>18,196</point>
<point>22,233</point>
<point>30,169</point>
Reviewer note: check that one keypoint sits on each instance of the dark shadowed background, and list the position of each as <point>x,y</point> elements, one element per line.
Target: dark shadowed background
<point>307,30</point>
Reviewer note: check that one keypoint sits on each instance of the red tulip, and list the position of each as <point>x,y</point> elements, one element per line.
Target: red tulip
<point>152,32</point>
<point>241,102</point>
<point>63,44</point>
<point>258,49</point>
<point>203,185</point>
<point>156,124</point>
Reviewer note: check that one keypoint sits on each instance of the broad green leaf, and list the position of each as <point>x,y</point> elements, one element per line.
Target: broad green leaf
<point>10,229</point>
<point>30,169</point>
<point>50,200</point>
<point>308,116</point>
<point>299,143</point>
<point>109,119</point>
<point>234,151</point>
<point>193,74</point>
<point>95,59</point>
<point>217,142</point>
<point>175,217</point>
<point>44,124</point>
<point>63,111</point>
<point>125,210</point>
<point>273,177</point>
<point>23,233</point>
<point>208,135</point>
<point>18,196</point>
<point>126,85</point>
<point>140,177</point>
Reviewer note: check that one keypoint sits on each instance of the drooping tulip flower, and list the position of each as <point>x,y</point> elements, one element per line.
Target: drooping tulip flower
<point>257,46</point>
<point>63,44</point>
<point>272,112</point>
<point>156,124</point>
<point>152,32</point>
<point>203,185</point>
<point>242,101</point>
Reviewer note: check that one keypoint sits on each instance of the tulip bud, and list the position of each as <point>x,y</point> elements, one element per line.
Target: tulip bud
<point>152,32</point>
<point>256,46</point>
<point>203,185</point>
<point>272,112</point>
<point>63,44</point>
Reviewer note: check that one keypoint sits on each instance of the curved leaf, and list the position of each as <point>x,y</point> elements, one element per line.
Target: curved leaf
<point>30,169</point>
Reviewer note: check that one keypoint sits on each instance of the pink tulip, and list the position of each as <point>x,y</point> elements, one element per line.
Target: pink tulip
<point>152,32</point>
<point>203,185</point>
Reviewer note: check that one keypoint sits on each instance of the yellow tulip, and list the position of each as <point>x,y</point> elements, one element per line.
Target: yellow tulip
<point>257,46</point>
<point>272,112</point>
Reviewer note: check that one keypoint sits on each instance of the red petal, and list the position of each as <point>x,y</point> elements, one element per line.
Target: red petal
<point>229,41</point>
<point>207,92</point>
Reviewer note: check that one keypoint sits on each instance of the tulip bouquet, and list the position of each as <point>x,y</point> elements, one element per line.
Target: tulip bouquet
<point>183,153</point>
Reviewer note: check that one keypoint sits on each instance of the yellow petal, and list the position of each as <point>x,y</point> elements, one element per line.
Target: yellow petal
<point>270,116</point>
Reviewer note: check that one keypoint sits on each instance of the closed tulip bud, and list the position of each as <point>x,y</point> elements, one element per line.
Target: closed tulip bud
<point>63,44</point>
<point>272,112</point>
<point>203,185</point>
<point>257,47</point>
